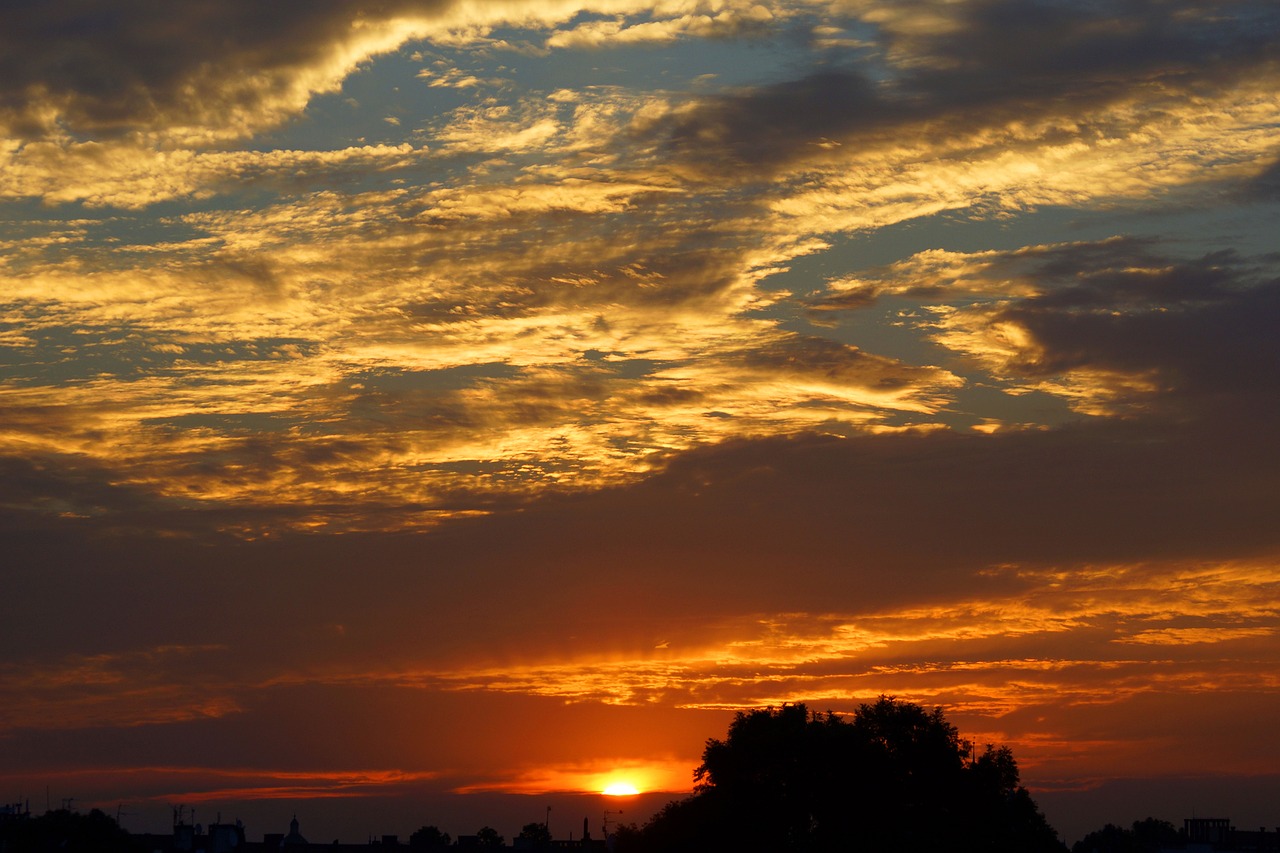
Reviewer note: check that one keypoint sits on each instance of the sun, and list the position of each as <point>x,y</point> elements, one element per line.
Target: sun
<point>620,789</point>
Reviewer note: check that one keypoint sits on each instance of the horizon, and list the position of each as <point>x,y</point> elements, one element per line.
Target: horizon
<point>1072,814</point>
<point>509,813</point>
<point>426,404</point>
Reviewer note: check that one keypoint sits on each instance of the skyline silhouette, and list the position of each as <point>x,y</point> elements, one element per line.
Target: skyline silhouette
<point>891,776</point>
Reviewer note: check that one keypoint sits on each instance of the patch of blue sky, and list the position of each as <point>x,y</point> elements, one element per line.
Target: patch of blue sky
<point>754,57</point>
<point>246,423</point>
<point>647,66</point>
<point>396,93</point>
<point>358,113</point>
<point>1189,231</point>
<point>623,368</point>
<point>1198,228</point>
<point>69,353</point>
<point>894,327</point>
<point>982,399</point>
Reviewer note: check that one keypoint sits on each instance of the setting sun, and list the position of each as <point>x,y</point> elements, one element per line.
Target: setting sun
<point>620,789</point>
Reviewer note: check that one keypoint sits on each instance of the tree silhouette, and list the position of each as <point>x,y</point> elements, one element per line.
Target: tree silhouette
<point>487,836</point>
<point>628,838</point>
<point>1146,836</point>
<point>897,777</point>
<point>429,838</point>
<point>536,834</point>
<point>1152,834</point>
<point>67,832</point>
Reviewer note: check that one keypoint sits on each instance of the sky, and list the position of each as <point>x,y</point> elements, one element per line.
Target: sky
<point>432,411</point>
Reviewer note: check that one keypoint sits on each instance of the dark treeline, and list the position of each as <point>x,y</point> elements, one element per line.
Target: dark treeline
<point>1146,836</point>
<point>65,831</point>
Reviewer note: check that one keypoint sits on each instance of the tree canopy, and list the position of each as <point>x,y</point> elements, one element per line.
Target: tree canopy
<point>487,836</point>
<point>896,777</point>
<point>66,831</point>
<point>1146,836</point>
<point>429,838</point>
<point>535,835</point>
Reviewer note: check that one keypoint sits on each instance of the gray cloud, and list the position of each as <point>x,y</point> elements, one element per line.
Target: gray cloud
<point>806,523</point>
<point>1005,61</point>
<point>812,359</point>
<point>141,65</point>
<point>1204,325</point>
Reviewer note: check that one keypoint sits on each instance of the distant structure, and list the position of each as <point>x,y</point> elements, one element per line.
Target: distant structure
<point>188,838</point>
<point>294,839</point>
<point>1217,835</point>
<point>1207,830</point>
<point>15,811</point>
<point>586,842</point>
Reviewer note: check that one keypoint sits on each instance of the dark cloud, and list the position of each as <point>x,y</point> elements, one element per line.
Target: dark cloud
<point>56,485</point>
<point>1265,187</point>
<point>810,359</point>
<point>1197,331</point>
<point>1017,46</point>
<point>1205,326</point>
<point>780,525</point>
<point>771,125</point>
<point>107,68</point>
<point>1006,61</point>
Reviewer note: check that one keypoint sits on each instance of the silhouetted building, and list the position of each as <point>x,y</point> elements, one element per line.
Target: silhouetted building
<point>1207,830</point>
<point>294,839</point>
<point>1217,835</point>
<point>188,838</point>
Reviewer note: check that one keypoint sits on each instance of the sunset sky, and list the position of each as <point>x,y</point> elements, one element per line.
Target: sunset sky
<point>428,411</point>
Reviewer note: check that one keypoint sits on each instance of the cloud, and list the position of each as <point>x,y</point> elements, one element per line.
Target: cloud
<point>130,689</point>
<point>131,176</point>
<point>1046,586</point>
<point>618,31</point>
<point>1114,324</point>
<point>171,73</point>
<point>195,74</point>
<point>972,88</point>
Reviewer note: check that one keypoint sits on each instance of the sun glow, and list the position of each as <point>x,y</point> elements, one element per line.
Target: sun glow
<point>620,789</point>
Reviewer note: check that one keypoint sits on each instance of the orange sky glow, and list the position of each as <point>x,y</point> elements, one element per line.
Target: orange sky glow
<point>450,411</point>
